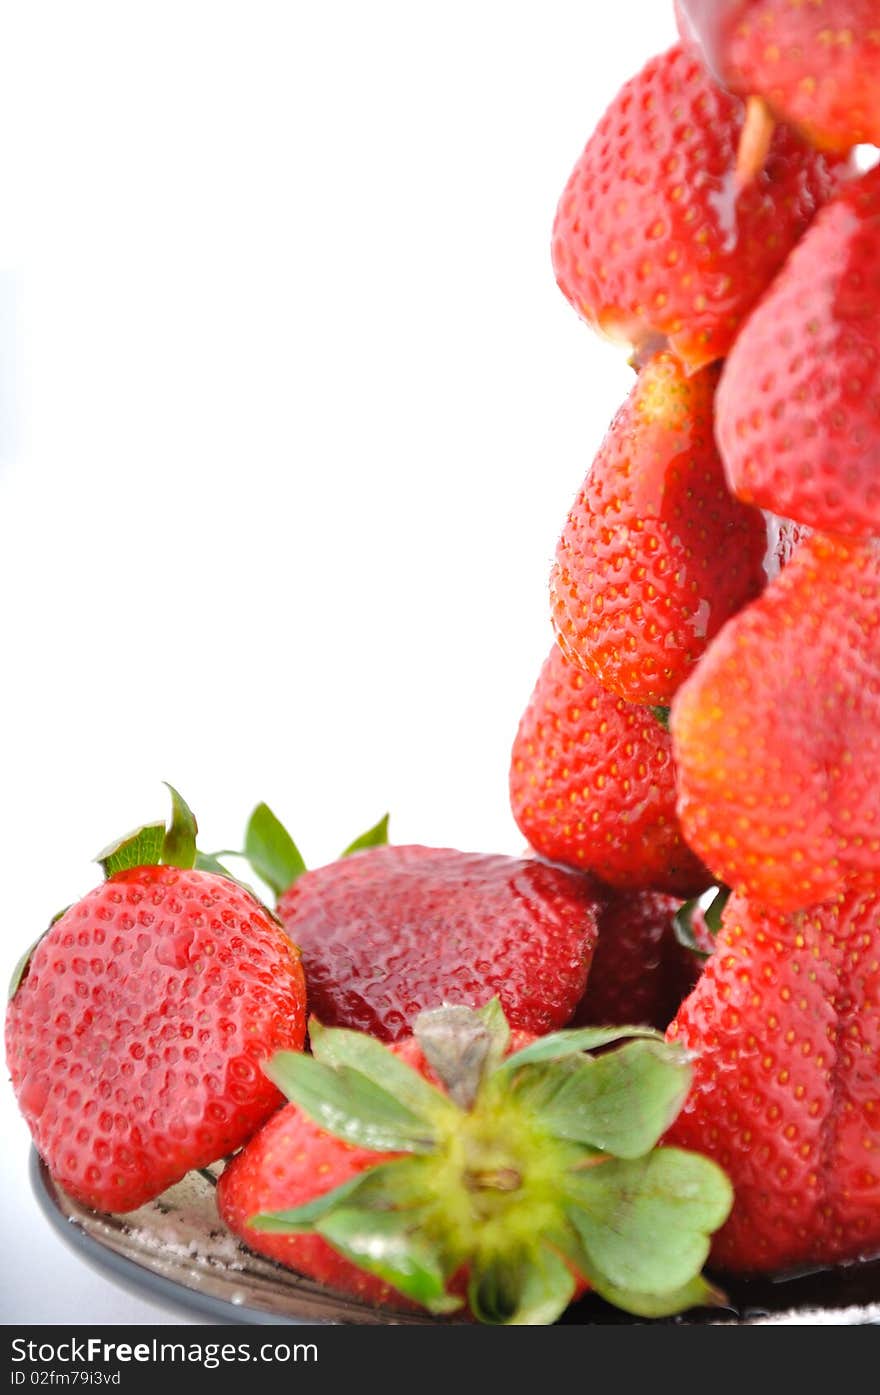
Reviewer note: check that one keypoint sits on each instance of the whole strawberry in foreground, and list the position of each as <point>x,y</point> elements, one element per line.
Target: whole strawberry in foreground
<point>138,1024</point>
<point>469,1167</point>
<point>799,401</point>
<point>388,931</point>
<point>777,733</point>
<point>815,65</point>
<point>653,238</point>
<point>783,1035</point>
<point>656,553</point>
<point>593,785</point>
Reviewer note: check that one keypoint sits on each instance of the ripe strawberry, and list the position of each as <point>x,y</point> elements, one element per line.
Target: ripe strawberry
<point>799,402</point>
<point>777,734</point>
<point>592,785</point>
<point>391,931</point>
<point>783,1032</point>
<point>653,238</point>
<point>815,65</point>
<point>641,971</point>
<point>656,553</point>
<point>469,1166</point>
<point>136,1030</point>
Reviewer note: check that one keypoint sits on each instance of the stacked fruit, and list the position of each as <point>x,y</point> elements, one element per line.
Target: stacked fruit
<point>719,574</point>
<point>706,717</point>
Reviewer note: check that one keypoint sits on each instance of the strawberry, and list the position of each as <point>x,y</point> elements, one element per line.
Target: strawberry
<point>799,402</point>
<point>592,785</point>
<point>656,553</point>
<point>138,1023</point>
<point>783,1033</point>
<point>653,239</point>
<point>389,931</point>
<point>814,65</point>
<point>641,971</point>
<point>470,1167</point>
<point>777,734</point>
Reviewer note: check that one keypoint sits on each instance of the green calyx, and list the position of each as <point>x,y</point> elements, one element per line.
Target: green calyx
<point>274,856</point>
<point>683,920</point>
<point>153,844</point>
<point>525,1173</point>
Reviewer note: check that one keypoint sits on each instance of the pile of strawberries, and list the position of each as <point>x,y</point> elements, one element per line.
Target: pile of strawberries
<point>708,721</point>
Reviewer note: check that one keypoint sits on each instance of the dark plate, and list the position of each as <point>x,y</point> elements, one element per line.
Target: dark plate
<point>177,1251</point>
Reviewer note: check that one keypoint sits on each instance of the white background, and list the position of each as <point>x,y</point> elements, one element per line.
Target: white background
<point>291,412</point>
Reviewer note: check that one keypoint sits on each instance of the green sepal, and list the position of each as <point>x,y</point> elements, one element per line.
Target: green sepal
<point>390,1245</point>
<point>140,848</point>
<point>571,1041</point>
<point>210,862</point>
<point>374,837</point>
<point>21,968</point>
<point>715,909</point>
<point>340,1048</point>
<point>683,920</point>
<point>662,715</point>
<point>698,1293</point>
<point>350,1105</point>
<point>621,1102</point>
<point>533,1289</point>
<point>644,1224</point>
<point>271,851</point>
<point>491,1014</point>
<point>179,846</point>
<point>378,1186</point>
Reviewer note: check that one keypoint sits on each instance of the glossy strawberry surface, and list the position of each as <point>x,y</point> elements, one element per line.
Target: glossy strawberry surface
<point>799,402</point>
<point>783,1031</point>
<point>640,972</point>
<point>652,236</point>
<point>816,63</point>
<point>593,785</point>
<point>777,733</point>
<point>388,932</point>
<point>656,553</point>
<point>135,1039</point>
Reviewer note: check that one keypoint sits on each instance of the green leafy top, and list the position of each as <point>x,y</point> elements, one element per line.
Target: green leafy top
<point>152,843</point>
<point>274,856</point>
<point>525,1169</point>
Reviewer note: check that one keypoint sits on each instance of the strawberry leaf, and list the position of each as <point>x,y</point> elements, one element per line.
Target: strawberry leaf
<point>715,909</point>
<point>391,1245</point>
<point>698,1293</point>
<point>179,846</point>
<point>271,851</point>
<point>374,837</point>
<point>140,848</point>
<point>621,1102</point>
<point>20,971</point>
<point>378,1186</point>
<point>491,1014</point>
<point>662,715</point>
<point>570,1042</point>
<point>644,1223</point>
<point>349,1105</point>
<point>534,1289</point>
<point>341,1048</point>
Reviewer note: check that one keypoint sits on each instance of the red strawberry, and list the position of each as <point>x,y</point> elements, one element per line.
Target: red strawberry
<point>783,1031</point>
<point>641,971</point>
<point>799,402</point>
<point>391,931</point>
<point>135,1036</point>
<point>777,734</point>
<point>592,785</point>
<point>815,64</point>
<point>653,238</point>
<point>469,1166</point>
<point>656,553</point>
